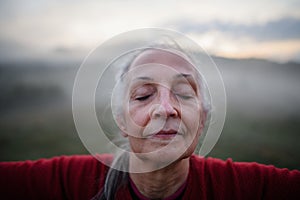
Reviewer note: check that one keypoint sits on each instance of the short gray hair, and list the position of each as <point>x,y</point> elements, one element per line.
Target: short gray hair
<point>131,57</point>
<point>117,176</point>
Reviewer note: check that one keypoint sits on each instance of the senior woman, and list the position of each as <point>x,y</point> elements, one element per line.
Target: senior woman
<point>162,114</point>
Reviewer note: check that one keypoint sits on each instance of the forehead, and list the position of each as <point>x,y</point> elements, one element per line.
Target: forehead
<point>170,59</point>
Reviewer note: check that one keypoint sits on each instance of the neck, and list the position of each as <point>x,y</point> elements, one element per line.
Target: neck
<point>163,182</point>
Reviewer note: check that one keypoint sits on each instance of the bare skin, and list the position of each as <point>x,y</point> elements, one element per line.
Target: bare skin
<point>172,94</point>
<point>162,183</point>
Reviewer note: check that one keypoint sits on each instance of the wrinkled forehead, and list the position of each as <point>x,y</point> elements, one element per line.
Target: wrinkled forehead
<point>173,60</point>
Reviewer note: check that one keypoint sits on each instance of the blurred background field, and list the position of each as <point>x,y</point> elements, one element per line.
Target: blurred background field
<point>255,44</point>
<point>262,123</point>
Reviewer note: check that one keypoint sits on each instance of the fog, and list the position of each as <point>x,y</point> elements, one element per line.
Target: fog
<point>262,121</point>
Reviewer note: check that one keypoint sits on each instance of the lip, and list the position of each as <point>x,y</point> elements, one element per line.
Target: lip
<point>166,134</point>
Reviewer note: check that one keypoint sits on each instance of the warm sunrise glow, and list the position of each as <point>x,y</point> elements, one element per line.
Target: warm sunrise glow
<point>30,27</point>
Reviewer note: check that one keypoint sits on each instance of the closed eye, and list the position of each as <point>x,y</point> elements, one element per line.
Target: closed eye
<point>143,98</point>
<point>185,97</point>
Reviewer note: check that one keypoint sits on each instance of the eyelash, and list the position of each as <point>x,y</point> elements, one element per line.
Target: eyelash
<point>185,97</point>
<point>143,98</point>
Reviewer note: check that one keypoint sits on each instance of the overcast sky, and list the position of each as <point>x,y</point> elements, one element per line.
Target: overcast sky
<point>267,29</point>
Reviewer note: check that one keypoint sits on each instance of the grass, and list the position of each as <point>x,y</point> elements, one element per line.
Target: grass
<point>265,141</point>
<point>252,140</point>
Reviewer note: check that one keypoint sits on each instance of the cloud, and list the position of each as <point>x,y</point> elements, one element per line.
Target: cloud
<point>281,29</point>
<point>59,27</point>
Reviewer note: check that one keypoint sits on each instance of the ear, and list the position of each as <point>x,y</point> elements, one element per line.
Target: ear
<point>122,125</point>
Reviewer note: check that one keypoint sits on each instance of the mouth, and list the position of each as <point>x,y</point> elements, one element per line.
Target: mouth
<point>166,134</point>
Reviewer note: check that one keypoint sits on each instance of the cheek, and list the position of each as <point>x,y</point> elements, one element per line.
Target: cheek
<point>138,115</point>
<point>192,119</point>
<point>135,144</point>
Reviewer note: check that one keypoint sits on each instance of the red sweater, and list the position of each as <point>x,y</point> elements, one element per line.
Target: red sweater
<point>81,177</point>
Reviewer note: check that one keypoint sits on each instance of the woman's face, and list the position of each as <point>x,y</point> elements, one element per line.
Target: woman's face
<point>162,112</point>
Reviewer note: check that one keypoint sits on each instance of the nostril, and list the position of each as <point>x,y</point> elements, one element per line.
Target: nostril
<point>159,110</point>
<point>174,113</point>
<point>170,109</point>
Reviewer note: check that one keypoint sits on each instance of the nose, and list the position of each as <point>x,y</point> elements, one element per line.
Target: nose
<point>167,106</point>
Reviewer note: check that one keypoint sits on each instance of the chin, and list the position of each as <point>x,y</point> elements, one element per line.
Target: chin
<point>158,154</point>
<point>165,156</point>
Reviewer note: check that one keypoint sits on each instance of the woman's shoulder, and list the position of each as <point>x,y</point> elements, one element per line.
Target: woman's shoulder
<point>75,177</point>
<point>246,170</point>
<point>63,160</point>
<point>229,163</point>
<point>245,178</point>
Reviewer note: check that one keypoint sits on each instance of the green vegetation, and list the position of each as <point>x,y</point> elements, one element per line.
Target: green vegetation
<point>267,141</point>
<point>36,136</point>
<point>36,120</point>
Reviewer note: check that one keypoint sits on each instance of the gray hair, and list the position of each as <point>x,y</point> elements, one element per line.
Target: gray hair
<point>131,57</point>
<point>117,176</point>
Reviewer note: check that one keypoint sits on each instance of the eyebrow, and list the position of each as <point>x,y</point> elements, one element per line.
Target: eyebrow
<point>189,78</point>
<point>181,75</point>
<point>144,78</point>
